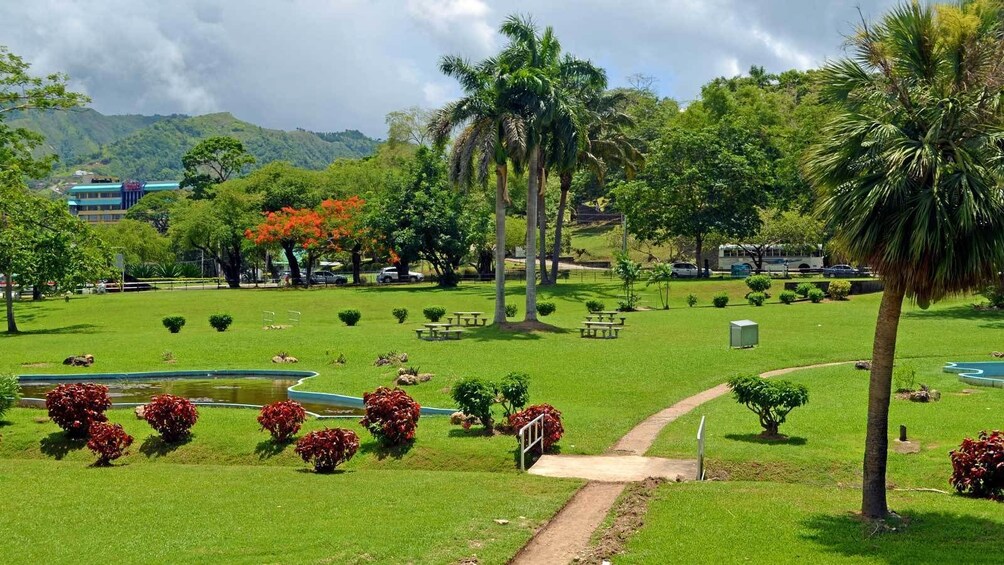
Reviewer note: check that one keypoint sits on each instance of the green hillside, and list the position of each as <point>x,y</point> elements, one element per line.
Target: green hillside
<point>151,147</point>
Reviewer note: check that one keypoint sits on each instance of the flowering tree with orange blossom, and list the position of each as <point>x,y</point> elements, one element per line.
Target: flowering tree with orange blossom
<point>291,228</point>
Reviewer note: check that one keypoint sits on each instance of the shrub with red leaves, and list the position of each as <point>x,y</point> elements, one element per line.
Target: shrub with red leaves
<point>978,466</point>
<point>74,407</point>
<point>327,448</point>
<point>282,419</point>
<point>171,416</point>
<point>553,429</point>
<point>108,442</point>
<point>391,415</point>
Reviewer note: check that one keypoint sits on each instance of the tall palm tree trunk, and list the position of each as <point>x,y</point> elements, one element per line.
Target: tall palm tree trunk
<point>566,184</point>
<point>501,174</point>
<point>531,237</point>
<point>8,297</point>
<point>873,496</point>
<point>545,279</point>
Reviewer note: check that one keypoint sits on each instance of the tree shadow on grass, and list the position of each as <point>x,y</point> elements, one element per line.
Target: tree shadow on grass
<point>964,312</point>
<point>57,445</point>
<point>757,438</point>
<point>311,471</point>
<point>474,432</point>
<point>383,452</point>
<point>926,538</point>
<point>74,329</point>
<point>270,448</point>
<point>155,446</point>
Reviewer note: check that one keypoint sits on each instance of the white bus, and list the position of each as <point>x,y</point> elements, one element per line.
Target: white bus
<point>776,258</point>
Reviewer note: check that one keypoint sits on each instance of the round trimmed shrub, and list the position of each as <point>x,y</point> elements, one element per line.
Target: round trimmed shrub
<point>171,416</point>
<point>327,448</point>
<point>546,308</point>
<point>475,398</point>
<point>978,466</point>
<point>803,289</point>
<point>720,300</point>
<point>553,430</point>
<point>691,300</point>
<point>108,442</point>
<point>756,298</point>
<point>10,392</point>
<point>401,314</point>
<point>350,317</point>
<point>434,313</point>
<point>839,289</point>
<point>816,295</point>
<point>391,416</point>
<point>511,310</point>
<point>174,323</point>
<point>220,322</point>
<point>593,306</point>
<point>282,419</point>
<point>74,407</point>
<point>770,399</point>
<point>758,283</point>
<point>788,296</point>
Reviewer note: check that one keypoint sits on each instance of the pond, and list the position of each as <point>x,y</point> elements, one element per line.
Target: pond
<point>248,389</point>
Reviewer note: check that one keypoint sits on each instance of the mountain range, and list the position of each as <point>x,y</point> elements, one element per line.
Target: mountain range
<point>151,147</point>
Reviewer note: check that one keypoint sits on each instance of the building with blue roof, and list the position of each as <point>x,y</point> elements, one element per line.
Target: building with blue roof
<point>107,202</point>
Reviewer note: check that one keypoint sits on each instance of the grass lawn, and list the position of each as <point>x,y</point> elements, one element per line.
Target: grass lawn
<point>451,484</point>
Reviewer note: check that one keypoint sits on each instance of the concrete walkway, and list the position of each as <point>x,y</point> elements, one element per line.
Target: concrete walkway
<point>614,468</point>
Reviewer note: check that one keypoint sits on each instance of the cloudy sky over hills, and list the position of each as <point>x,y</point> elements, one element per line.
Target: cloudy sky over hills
<point>343,64</point>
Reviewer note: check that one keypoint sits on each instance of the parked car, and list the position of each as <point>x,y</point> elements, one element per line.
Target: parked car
<point>389,274</point>
<point>685,270</point>
<point>327,277</point>
<point>844,271</point>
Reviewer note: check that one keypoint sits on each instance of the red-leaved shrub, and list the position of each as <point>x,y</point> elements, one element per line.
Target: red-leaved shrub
<point>327,448</point>
<point>282,419</point>
<point>171,416</point>
<point>553,429</point>
<point>978,466</point>
<point>391,415</point>
<point>108,442</point>
<point>74,407</point>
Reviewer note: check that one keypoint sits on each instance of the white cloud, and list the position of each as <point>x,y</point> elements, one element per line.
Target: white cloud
<point>461,24</point>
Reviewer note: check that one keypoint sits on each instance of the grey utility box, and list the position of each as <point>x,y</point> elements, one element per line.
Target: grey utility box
<point>743,333</point>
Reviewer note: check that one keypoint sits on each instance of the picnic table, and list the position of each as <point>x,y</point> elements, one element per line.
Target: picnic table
<point>470,318</point>
<point>604,330</point>
<point>606,317</point>
<point>439,331</point>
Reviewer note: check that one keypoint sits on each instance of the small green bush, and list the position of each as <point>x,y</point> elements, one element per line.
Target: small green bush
<point>401,314</point>
<point>10,392</point>
<point>816,295</point>
<point>788,296</point>
<point>174,323</point>
<point>434,313</point>
<point>511,310</point>
<point>770,399</point>
<point>756,298</point>
<point>758,283</point>
<point>475,398</point>
<point>905,377</point>
<point>221,321</point>
<point>691,300</point>
<point>803,289</point>
<point>350,316</point>
<point>840,289</point>
<point>513,393</point>
<point>720,300</point>
<point>546,308</point>
<point>595,306</point>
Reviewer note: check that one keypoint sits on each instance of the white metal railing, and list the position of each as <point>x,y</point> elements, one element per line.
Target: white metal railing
<point>267,318</point>
<point>700,450</point>
<point>530,435</point>
<point>294,317</point>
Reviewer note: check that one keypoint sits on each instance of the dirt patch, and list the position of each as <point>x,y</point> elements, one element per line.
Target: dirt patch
<point>36,365</point>
<point>629,517</point>
<point>523,327</point>
<point>905,446</point>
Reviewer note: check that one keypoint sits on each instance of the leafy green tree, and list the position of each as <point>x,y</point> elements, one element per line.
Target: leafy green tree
<point>409,126</point>
<point>155,209</point>
<point>212,161</point>
<point>217,226</point>
<point>698,181</point>
<point>139,242</point>
<point>661,275</point>
<point>910,172</point>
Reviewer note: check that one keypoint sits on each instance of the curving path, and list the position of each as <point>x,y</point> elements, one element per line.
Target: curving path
<point>567,534</point>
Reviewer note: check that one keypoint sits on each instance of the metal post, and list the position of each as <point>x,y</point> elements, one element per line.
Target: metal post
<point>700,450</point>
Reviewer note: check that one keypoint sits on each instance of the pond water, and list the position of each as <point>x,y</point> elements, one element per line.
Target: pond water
<point>225,389</point>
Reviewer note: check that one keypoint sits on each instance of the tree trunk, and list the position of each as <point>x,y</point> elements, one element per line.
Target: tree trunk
<point>357,260</point>
<point>36,292</point>
<point>403,267</point>
<point>566,185</point>
<point>232,268</point>
<point>873,499</point>
<point>698,252</point>
<point>545,279</point>
<point>531,236</point>
<point>8,297</point>
<point>501,178</point>
<point>294,265</point>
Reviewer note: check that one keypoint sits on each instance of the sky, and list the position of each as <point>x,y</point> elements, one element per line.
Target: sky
<point>329,65</point>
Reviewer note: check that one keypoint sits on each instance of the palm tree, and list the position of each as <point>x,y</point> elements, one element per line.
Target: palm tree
<point>492,132</point>
<point>911,173</point>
